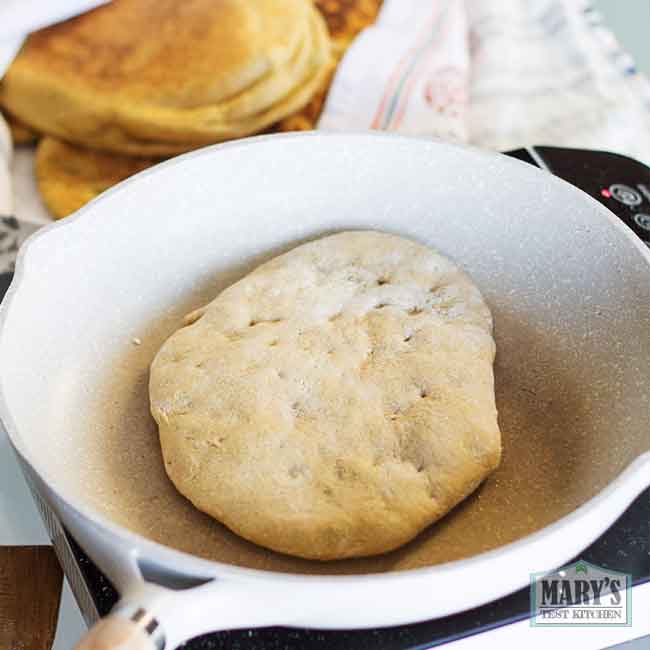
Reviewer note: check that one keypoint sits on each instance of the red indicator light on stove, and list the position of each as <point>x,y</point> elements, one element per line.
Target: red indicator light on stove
<point>606,193</point>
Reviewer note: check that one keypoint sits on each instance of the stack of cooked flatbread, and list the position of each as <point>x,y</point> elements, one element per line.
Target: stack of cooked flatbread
<point>117,89</point>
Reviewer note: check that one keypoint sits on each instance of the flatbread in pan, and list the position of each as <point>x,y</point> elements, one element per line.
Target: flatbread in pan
<point>335,401</point>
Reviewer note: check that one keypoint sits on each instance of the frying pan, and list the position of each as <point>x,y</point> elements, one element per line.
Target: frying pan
<point>94,297</point>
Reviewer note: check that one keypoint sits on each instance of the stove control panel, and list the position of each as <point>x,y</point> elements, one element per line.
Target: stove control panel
<point>621,184</point>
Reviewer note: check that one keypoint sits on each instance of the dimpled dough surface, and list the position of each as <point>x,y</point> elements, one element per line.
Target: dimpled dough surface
<point>335,401</point>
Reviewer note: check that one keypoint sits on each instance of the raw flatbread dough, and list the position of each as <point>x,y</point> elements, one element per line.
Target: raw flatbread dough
<point>335,401</point>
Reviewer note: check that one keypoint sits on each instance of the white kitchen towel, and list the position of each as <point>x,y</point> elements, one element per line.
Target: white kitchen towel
<point>499,74</point>
<point>409,72</point>
<point>549,72</point>
<point>544,72</point>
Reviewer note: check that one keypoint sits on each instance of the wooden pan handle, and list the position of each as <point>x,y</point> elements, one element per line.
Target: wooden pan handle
<point>116,633</point>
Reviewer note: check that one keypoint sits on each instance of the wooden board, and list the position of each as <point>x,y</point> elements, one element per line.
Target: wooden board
<point>30,593</point>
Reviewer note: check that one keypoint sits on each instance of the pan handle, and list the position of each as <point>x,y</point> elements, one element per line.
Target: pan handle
<point>131,625</point>
<point>152,617</point>
<point>117,633</point>
<point>169,607</point>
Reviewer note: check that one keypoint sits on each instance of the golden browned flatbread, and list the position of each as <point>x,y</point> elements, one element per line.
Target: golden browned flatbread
<point>69,176</point>
<point>345,19</point>
<point>335,401</point>
<point>156,77</point>
<point>84,173</point>
<point>20,133</point>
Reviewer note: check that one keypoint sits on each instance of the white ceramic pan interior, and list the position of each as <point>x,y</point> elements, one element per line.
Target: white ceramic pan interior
<point>569,288</point>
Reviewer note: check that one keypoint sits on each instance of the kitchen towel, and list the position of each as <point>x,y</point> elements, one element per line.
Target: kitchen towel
<point>496,74</point>
<point>499,75</point>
